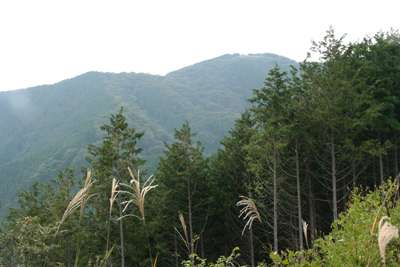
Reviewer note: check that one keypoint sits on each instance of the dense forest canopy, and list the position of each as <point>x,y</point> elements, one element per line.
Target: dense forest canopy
<point>49,127</point>
<point>296,172</point>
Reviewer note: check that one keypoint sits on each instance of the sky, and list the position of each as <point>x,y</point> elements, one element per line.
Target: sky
<point>44,42</point>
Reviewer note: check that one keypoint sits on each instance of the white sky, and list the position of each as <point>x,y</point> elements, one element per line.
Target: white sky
<point>44,42</point>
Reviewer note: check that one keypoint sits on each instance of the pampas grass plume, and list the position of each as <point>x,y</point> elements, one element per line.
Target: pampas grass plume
<point>78,201</point>
<point>305,225</point>
<point>386,233</point>
<point>186,241</point>
<point>138,193</point>
<point>114,192</point>
<point>250,209</point>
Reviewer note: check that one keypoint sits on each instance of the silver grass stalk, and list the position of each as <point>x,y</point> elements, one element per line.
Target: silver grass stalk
<point>138,193</point>
<point>79,200</point>
<point>114,192</point>
<point>386,233</point>
<point>88,184</point>
<point>186,241</point>
<point>250,211</point>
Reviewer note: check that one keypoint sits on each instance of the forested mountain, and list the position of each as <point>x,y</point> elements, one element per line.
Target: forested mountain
<point>48,127</point>
<point>307,167</point>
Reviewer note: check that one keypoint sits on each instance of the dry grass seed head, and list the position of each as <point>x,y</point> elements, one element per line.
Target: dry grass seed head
<point>114,192</point>
<point>305,225</point>
<point>79,200</point>
<point>250,209</point>
<point>88,184</point>
<point>386,233</point>
<point>138,194</point>
<point>184,230</point>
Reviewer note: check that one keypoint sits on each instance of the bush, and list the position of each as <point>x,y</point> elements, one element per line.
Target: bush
<point>354,237</point>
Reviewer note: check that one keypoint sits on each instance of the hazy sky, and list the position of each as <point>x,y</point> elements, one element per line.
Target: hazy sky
<point>44,42</point>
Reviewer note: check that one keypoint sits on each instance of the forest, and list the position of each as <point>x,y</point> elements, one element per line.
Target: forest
<point>48,127</point>
<point>307,176</point>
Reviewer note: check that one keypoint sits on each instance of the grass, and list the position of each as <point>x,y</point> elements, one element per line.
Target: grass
<point>138,193</point>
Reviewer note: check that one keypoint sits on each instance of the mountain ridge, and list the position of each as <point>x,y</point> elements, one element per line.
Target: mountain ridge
<point>49,126</point>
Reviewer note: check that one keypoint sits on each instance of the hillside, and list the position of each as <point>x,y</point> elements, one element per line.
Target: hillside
<point>48,127</point>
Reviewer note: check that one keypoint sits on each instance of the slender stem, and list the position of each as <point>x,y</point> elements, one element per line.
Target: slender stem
<point>299,198</point>
<point>148,243</point>
<point>108,232</point>
<point>77,250</point>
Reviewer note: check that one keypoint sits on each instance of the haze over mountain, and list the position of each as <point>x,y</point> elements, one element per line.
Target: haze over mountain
<point>48,127</point>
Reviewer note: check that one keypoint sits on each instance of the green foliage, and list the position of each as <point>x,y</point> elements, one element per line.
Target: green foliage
<point>118,151</point>
<point>350,243</point>
<point>28,243</point>
<point>111,160</point>
<point>49,127</point>
<point>291,258</point>
<point>30,229</point>
<point>221,262</point>
<point>312,133</point>
<point>182,188</point>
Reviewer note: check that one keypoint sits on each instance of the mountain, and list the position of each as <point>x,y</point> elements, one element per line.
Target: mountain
<point>48,127</point>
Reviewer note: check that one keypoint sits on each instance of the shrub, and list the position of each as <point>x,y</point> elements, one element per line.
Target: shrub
<point>353,240</point>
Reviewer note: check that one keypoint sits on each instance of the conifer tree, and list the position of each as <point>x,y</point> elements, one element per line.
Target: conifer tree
<point>269,116</point>
<point>111,160</point>
<point>231,178</point>
<point>181,180</point>
<point>339,115</point>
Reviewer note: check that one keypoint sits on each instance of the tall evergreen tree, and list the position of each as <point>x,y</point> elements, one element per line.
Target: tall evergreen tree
<point>270,119</point>
<point>379,58</point>
<point>181,179</point>
<point>339,114</point>
<point>231,178</point>
<point>111,160</point>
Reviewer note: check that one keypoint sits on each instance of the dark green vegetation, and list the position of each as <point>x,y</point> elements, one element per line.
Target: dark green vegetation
<point>313,133</point>
<point>48,127</point>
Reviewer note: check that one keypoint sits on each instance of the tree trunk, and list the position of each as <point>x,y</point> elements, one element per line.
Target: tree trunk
<point>68,243</point>
<point>251,236</point>
<point>275,196</point>
<point>176,250</point>
<point>121,232</point>
<point>374,169</point>
<point>380,158</point>
<point>190,218</point>
<point>387,165</point>
<point>251,246</point>
<point>190,205</point>
<point>334,178</point>
<point>311,205</point>
<point>202,246</point>
<point>225,244</point>
<point>381,168</point>
<point>396,167</point>
<point>69,254</point>
<point>299,199</point>
<point>121,229</point>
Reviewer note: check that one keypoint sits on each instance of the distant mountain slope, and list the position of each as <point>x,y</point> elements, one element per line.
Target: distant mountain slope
<point>48,127</point>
